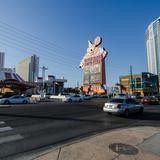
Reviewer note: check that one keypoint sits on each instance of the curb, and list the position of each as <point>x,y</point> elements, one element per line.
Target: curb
<point>5,106</point>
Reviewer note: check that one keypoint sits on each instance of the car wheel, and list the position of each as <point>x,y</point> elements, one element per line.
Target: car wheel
<point>126,113</point>
<point>109,113</point>
<point>6,102</point>
<point>25,102</point>
<point>70,100</point>
<point>141,111</point>
<point>80,100</point>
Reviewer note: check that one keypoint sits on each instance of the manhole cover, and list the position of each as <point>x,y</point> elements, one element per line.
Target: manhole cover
<point>121,148</point>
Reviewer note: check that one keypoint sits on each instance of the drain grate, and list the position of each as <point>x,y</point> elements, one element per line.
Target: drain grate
<point>121,148</point>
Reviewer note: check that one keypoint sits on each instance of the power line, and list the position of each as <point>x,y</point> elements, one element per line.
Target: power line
<point>56,56</point>
<point>39,50</point>
<point>69,75</point>
<point>49,59</point>
<point>35,51</point>
<point>33,37</point>
<point>33,43</point>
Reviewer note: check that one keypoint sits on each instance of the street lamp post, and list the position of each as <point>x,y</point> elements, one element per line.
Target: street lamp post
<point>131,78</point>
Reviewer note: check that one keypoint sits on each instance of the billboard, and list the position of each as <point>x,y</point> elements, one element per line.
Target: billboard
<point>93,63</point>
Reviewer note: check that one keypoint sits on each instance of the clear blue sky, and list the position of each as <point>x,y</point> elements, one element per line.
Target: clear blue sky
<point>69,24</point>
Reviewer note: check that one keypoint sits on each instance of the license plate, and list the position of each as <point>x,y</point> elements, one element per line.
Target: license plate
<point>110,106</point>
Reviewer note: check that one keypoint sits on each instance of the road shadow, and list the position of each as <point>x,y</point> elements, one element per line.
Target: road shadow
<point>50,117</point>
<point>153,116</point>
<point>146,119</point>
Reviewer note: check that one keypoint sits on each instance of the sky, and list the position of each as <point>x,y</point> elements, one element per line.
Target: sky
<point>58,32</point>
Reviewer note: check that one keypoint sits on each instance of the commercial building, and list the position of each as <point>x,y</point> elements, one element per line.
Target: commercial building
<point>28,68</point>
<point>12,82</point>
<point>51,85</point>
<point>140,84</point>
<point>152,37</point>
<point>2,58</point>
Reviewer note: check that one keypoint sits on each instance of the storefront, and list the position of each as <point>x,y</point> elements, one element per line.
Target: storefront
<point>140,84</point>
<point>12,82</point>
<point>50,86</point>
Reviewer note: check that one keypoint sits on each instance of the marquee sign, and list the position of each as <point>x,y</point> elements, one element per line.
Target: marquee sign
<point>93,63</point>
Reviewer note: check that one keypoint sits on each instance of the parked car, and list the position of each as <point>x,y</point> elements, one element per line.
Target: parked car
<point>121,96</point>
<point>150,100</point>
<point>87,97</point>
<point>73,98</point>
<point>123,106</point>
<point>14,99</point>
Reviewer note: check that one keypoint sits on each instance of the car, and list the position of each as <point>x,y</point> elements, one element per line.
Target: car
<point>145,100</point>
<point>121,96</point>
<point>150,100</point>
<point>123,106</point>
<point>72,98</point>
<point>87,97</point>
<point>15,99</point>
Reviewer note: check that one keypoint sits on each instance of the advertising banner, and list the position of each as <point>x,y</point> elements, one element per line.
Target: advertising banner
<point>93,74</point>
<point>93,64</point>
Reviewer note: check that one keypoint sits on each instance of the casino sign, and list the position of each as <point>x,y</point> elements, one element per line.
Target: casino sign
<point>93,65</point>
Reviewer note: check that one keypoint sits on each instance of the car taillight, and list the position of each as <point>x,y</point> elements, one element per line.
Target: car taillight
<point>119,106</point>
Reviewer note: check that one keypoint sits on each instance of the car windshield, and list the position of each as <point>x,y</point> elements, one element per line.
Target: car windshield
<point>5,96</point>
<point>117,100</point>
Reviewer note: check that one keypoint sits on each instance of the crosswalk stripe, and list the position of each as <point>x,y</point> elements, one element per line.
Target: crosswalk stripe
<point>2,122</point>
<point>10,138</point>
<point>3,129</point>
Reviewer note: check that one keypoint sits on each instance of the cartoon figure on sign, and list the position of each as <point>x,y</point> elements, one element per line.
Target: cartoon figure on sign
<point>94,49</point>
<point>93,65</point>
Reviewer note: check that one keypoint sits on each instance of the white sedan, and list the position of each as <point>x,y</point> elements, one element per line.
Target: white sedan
<point>72,98</point>
<point>14,99</point>
<point>123,106</point>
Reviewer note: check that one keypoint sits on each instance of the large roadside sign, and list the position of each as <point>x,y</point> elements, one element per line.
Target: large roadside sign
<point>93,63</point>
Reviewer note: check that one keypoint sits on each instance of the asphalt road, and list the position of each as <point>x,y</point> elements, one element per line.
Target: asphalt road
<point>25,128</point>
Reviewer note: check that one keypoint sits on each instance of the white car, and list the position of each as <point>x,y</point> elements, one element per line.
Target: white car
<point>14,99</point>
<point>72,98</point>
<point>123,106</point>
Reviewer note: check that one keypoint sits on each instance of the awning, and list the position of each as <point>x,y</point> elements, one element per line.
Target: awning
<point>11,78</point>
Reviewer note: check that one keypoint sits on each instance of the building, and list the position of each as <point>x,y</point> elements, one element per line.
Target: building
<point>93,65</point>
<point>51,85</point>
<point>152,38</point>
<point>7,70</point>
<point>12,82</point>
<point>140,84</point>
<point>28,68</point>
<point>2,58</point>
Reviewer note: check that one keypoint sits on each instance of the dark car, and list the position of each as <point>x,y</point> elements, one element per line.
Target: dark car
<point>150,100</point>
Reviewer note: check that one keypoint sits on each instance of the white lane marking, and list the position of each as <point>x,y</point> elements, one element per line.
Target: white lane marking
<point>2,122</point>
<point>10,138</point>
<point>3,129</point>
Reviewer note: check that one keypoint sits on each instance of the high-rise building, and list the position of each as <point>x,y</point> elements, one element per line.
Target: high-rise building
<point>28,68</point>
<point>152,37</point>
<point>2,55</point>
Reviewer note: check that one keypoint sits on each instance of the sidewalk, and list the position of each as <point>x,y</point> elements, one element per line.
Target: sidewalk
<point>139,143</point>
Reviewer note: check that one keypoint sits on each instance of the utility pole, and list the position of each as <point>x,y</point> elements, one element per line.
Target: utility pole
<point>43,74</point>
<point>131,78</point>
